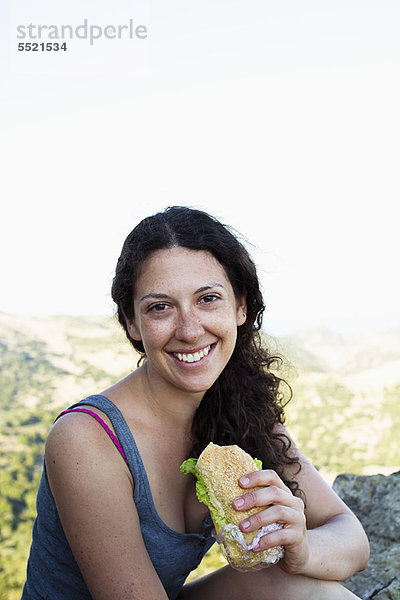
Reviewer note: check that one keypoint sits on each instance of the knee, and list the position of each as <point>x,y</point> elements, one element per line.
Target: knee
<point>275,584</point>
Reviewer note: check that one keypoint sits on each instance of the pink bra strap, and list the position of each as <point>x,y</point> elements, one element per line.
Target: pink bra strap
<point>99,420</point>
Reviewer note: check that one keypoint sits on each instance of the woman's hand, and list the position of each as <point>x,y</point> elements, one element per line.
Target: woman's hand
<point>282,507</point>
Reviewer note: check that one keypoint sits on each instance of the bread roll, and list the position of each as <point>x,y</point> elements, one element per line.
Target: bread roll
<point>219,469</point>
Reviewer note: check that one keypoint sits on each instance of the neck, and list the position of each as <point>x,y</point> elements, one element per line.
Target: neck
<point>166,405</point>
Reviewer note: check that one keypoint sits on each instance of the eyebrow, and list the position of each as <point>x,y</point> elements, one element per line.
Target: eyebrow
<point>162,296</point>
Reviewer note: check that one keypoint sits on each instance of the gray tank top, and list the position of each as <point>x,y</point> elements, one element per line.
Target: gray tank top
<point>52,572</point>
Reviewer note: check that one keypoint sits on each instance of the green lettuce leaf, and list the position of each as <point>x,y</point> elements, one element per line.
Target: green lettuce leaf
<point>189,466</point>
<point>258,463</point>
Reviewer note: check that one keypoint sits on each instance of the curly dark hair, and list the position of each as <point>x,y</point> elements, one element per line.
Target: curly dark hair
<point>246,401</point>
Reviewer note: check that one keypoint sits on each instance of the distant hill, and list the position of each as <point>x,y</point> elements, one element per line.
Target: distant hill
<point>320,349</point>
<point>345,411</point>
<point>69,340</point>
<point>83,353</point>
<point>57,360</point>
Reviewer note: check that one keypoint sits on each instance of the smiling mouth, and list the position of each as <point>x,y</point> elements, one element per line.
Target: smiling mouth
<point>192,357</point>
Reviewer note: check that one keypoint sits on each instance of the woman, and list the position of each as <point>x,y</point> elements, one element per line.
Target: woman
<point>188,298</point>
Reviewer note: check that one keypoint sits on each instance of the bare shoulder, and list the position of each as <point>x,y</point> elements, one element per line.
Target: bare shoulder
<point>78,422</point>
<point>78,438</point>
<point>92,488</point>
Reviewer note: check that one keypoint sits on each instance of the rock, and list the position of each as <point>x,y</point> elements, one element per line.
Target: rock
<point>375,500</point>
<point>392,592</point>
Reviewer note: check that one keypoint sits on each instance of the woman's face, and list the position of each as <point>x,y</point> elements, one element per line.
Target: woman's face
<point>186,315</point>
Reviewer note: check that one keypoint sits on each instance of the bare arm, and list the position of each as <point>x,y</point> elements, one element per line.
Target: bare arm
<point>325,540</point>
<point>93,490</point>
<point>338,545</point>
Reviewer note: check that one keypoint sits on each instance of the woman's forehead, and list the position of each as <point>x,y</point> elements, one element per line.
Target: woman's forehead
<point>181,264</point>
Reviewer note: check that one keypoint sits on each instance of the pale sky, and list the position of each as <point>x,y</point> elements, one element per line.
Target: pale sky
<point>280,117</point>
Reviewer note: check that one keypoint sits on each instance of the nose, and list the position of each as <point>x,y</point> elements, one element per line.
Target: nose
<point>189,328</point>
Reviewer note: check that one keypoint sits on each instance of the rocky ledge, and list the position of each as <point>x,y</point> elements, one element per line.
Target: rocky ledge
<point>375,500</point>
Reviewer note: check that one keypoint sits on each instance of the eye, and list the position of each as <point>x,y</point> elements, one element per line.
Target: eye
<point>158,308</point>
<point>209,298</point>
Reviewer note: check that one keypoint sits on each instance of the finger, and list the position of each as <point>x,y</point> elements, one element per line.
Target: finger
<point>262,479</point>
<point>281,537</point>
<point>275,514</point>
<point>264,497</point>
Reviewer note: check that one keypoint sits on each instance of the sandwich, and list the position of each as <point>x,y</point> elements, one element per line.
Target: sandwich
<point>218,470</point>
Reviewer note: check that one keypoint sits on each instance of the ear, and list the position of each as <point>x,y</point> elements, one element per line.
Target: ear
<point>241,312</point>
<point>133,330</point>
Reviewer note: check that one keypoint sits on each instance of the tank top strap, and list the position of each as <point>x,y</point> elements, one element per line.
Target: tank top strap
<point>125,438</point>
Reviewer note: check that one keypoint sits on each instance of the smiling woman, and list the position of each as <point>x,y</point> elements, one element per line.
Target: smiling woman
<point>116,517</point>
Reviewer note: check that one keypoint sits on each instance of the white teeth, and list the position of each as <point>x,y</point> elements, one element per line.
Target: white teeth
<point>190,358</point>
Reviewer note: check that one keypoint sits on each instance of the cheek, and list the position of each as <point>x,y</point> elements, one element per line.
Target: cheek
<point>229,331</point>
<point>154,332</point>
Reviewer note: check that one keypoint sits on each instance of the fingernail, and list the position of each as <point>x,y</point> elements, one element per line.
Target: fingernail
<point>239,502</point>
<point>245,480</point>
<point>246,524</point>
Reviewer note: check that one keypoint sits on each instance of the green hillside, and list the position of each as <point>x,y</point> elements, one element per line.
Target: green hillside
<point>345,411</point>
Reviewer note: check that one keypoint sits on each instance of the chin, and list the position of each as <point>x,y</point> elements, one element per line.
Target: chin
<point>196,388</point>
